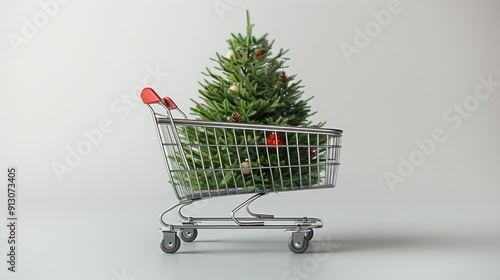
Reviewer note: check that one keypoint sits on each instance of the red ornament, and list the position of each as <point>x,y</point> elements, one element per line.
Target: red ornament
<point>260,53</point>
<point>274,140</point>
<point>312,153</point>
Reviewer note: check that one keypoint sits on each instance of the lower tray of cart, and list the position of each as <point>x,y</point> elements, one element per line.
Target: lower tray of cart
<point>187,231</point>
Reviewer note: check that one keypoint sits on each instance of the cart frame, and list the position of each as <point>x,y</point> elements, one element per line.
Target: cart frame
<point>187,229</point>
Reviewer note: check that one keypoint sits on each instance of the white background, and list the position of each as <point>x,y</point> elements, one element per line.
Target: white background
<point>99,220</point>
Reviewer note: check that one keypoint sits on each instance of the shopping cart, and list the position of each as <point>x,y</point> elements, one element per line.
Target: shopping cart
<point>212,159</point>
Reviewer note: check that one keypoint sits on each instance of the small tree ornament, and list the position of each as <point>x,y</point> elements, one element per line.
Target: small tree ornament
<point>230,55</point>
<point>246,167</point>
<point>312,153</point>
<point>259,53</point>
<point>273,141</point>
<point>233,88</point>
<point>283,78</point>
<point>236,117</point>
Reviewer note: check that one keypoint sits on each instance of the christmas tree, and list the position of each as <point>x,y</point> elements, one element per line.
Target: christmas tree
<point>249,86</point>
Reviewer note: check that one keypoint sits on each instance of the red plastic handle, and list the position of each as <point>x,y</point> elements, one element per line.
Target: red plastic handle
<point>169,103</point>
<point>148,96</point>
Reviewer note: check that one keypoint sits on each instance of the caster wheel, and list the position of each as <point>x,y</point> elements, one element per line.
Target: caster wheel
<point>309,235</point>
<point>188,235</point>
<point>171,247</point>
<point>298,248</point>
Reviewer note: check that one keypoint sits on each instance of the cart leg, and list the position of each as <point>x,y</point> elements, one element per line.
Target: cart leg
<point>245,203</point>
<point>179,211</point>
<point>183,203</point>
<point>260,216</point>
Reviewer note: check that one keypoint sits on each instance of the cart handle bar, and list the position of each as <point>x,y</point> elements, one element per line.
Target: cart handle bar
<point>149,96</point>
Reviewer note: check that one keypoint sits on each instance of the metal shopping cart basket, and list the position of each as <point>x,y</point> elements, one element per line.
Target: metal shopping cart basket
<point>212,159</point>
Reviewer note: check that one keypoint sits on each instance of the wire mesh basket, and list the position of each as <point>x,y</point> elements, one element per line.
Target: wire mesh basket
<point>207,158</point>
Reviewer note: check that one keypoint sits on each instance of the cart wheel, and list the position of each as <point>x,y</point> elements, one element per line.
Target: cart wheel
<point>188,235</point>
<point>171,247</point>
<point>298,248</point>
<point>309,235</point>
